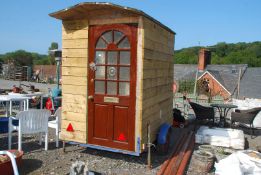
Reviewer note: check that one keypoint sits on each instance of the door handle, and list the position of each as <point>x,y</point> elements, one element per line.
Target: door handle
<point>90,97</point>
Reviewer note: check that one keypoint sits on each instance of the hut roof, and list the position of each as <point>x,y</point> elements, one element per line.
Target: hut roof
<point>86,9</point>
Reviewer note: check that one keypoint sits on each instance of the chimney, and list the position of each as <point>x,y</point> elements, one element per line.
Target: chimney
<point>204,58</point>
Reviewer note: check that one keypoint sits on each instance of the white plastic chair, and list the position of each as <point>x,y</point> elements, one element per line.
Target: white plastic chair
<point>30,122</point>
<point>56,124</point>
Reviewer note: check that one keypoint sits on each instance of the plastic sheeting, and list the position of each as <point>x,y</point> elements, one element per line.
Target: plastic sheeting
<point>224,137</point>
<point>240,163</point>
<point>247,103</point>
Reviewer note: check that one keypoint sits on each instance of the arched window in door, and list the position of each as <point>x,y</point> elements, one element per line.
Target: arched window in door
<point>112,59</point>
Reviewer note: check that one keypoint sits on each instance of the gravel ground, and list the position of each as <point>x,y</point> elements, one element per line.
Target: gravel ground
<point>38,161</point>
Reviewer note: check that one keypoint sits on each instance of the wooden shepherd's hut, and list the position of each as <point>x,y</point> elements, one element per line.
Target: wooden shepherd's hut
<point>117,75</point>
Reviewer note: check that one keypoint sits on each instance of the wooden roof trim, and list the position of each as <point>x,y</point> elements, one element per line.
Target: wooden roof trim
<point>214,79</point>
<point>62,14</point>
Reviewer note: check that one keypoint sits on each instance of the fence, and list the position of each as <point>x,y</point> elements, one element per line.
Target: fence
<point>12,72</point>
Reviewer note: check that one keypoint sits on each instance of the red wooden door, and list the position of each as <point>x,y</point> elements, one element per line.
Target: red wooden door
<point>111,86</point>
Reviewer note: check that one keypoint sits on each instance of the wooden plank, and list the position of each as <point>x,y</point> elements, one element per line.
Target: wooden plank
<point>76,136</point>
<point>155,28</point>
<point>75,44</point>
<point>77,126</point>
<point>72,80</point>
<point>117,20</point>
<point>160,110</point>
<point>74,71</point>
<point>138,108</point>
<point>73,89</point>
<point>74,34</point>
<point>72,98</point>
<point>156,99</point>
<point>150,54</point>
<point>163,37</point>
<point>75,53</point>
<point>150,73</point>
<point>76,108</point>
<point>75,24</point>
<point>72,116</point>
<point>75,62</point>
<point>150,110</point>
<point>157,46</point>
<point>150,92</point>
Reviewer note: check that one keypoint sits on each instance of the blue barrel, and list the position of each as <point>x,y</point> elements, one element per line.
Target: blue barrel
<point>4,124</point>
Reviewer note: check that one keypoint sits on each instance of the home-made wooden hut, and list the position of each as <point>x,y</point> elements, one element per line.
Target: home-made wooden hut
<point>117,75</point>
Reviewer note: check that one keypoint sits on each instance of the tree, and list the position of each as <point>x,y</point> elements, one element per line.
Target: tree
<point>224,53</point>
<point>53,46</point>
<point>20,58</point>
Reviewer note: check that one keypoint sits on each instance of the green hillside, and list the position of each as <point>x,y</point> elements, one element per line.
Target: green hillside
<point>224,53</point>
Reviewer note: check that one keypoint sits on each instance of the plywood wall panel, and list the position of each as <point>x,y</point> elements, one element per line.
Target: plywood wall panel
<point>80,54</point>
<point>74,34</point>
<point>73,116</point>
<point>76,136</point>
<point>74,71</point>
<point>73,107</point>
<point>75,62</point>
<point>75,90</point>
<point>77,126</point>
<point>73,80</point>
<point>75,99</point>
<point>75,44</point>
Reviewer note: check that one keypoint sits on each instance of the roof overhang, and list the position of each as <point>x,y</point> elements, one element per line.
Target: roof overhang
<point>86,9</point>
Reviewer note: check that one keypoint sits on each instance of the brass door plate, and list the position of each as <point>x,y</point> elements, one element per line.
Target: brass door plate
<point>111,99</point>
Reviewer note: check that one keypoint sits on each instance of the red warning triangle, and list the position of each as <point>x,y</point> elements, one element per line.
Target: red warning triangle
<point>70,128</point>
<point>122,137</point>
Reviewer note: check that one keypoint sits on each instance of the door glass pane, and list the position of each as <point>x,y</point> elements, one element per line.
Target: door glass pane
<point>111,88</point>
<point>99,87</point>
<point>112,73</point>
<point>117,36</point>
<point>125,57</point>
<point>124,88</point>
<point>112,57</point>
<point>101,44</point>
<point>108,36</point>
<point>100,57</point>
<point>125,73</point>
<point>100,72</point>
<point>124,43</point>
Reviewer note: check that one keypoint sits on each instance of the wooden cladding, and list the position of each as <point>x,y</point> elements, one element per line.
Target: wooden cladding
<point>74,79</point>
<point>157,96</point>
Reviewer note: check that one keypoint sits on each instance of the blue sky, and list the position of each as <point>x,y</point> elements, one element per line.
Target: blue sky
<point>25,24</point>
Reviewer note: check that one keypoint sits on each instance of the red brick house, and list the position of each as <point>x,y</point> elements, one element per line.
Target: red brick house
<point>216,79</point>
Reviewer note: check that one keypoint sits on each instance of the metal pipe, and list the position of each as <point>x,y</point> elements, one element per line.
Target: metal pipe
<point>63,146</point>
<point>149,150</point>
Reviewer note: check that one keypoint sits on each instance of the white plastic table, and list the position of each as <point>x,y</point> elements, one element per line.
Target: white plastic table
<point>29,95</point>
<point>9,99</point>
